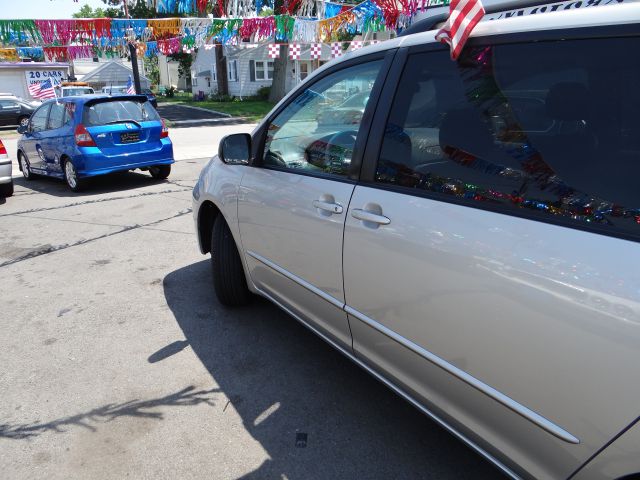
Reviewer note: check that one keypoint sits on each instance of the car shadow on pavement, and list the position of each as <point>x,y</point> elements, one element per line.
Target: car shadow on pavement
<point>113,182</point>
<point>315,413</point>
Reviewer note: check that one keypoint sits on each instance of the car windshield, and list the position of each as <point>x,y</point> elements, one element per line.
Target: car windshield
<point>75,92</point>
<point>114,111</point>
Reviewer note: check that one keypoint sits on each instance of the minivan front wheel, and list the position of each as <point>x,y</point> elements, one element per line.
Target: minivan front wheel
<point>71,176</point>
<point>228,275</point>
<point>160,172</point>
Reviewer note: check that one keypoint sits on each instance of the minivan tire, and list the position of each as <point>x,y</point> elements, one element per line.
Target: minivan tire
<point>229,281</point>
<point>6,189</point>
<point>71,176</point>
<point>160,172</point>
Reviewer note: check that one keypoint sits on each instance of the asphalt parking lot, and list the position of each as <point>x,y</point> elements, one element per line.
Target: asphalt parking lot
<point>118,362</point>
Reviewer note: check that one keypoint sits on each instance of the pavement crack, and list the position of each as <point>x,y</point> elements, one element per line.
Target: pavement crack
<point>37,252</point>
<point>98,200</point>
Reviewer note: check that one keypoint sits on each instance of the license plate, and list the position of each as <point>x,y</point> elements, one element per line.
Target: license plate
<point>129,137</point>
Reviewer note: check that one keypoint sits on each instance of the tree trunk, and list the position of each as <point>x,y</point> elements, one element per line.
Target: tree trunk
<point>221,70</point>
<point>281,67</point>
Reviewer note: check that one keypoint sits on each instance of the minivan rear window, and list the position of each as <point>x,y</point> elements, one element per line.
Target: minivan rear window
<point>548,130</point>
<point>112,111</point>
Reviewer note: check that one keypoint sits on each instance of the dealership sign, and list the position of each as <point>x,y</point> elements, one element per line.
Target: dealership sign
<point>38,76</point>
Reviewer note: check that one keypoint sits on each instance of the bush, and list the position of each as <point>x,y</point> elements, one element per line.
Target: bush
<point>263,93</point>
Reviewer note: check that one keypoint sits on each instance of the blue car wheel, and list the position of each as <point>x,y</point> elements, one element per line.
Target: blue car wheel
<point>71,176</point>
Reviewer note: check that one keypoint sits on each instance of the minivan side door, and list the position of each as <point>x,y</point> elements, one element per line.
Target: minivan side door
<point>292,202</point>
<point>491,249</point>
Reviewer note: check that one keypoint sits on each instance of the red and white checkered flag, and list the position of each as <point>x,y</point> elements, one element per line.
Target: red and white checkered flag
<point>294,51</point>
<point>274,50</point>
<point>356,45</point>
<point>463,17</point>
<point>316,50</point>
<point>336,49</point>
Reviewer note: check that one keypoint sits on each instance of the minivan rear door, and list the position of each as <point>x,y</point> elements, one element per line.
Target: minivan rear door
<point>491,250</point>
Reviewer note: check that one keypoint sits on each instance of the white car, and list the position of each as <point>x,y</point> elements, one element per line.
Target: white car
<point>471,240</point>
<point>6,182</point>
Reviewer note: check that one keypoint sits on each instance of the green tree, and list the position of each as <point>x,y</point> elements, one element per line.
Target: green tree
<point>87,12</point>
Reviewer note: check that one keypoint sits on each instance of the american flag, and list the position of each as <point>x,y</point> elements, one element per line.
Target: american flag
<point>463,17</point>
<point>131,89</point>
<point>43,90</point>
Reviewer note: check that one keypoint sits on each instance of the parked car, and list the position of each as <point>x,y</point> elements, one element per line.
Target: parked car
<point>347,112</point>
<point>80,137</point>
<point>479,259</point>
<point>6,182</point>
<point>14,111</point>
<point>150,96</point>
<point>74,89</point>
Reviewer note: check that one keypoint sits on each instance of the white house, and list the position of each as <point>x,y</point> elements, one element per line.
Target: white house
<point>249,68</point>
<point>112,73</point>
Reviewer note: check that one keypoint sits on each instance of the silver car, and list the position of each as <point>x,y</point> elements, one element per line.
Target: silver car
<point>6,181</point>
<point>472,241</point>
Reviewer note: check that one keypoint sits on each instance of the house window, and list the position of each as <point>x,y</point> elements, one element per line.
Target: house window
<point>304,71</point>
<point>194,79</point>
<point>232,70</point>
<point>264,70</point>
<point>214,73</point>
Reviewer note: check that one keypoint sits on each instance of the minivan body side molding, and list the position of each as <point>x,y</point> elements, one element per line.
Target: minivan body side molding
<point>395,388</point>
<point>491,392</point>
<point>488,390</point>
<point>303,283</point>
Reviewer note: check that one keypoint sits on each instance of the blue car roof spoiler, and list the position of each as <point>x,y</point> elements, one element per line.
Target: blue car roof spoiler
<point>111,98</point>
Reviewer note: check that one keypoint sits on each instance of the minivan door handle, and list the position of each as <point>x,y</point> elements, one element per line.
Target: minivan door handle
<point>330,207</point>
<point>371,217</point>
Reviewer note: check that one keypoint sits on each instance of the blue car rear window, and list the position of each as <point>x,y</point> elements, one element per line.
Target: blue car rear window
<point>119,110</point>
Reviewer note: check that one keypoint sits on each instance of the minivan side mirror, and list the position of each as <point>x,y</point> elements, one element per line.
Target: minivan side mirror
<point>22,129</point>
<point>235,149</point>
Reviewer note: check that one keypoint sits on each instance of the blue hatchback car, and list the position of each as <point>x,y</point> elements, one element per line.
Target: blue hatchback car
<point>79,137</point>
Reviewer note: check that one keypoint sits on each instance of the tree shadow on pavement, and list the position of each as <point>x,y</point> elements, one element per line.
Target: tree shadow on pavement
<point>315,413</point>
<point>134,408</point>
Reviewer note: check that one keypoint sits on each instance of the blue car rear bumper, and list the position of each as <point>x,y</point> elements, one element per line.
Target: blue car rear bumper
<point>90,161</point>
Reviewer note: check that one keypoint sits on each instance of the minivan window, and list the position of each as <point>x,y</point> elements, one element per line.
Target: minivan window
<point>316,132</point>
<point>547,129</point>
<point>115,110</point>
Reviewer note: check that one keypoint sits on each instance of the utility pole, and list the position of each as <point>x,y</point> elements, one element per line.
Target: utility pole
<point>134,55</point>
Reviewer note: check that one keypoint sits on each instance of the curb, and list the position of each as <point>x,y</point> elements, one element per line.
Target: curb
<point>214,120</point>
<point>200,108</point>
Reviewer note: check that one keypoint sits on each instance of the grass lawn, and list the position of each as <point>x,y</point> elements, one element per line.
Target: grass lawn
<point>252,109</point>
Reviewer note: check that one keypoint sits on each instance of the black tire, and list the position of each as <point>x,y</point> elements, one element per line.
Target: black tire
<point>228,275</point>
<point>23,121</point>
<point>160,172</point>
<point>74,182</point>
<point>6,189</point>
<point>25,167</point>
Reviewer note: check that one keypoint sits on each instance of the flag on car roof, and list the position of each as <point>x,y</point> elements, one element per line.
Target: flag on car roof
<point>131,89</point>
<point>43,90</point>
<point>463,17</point>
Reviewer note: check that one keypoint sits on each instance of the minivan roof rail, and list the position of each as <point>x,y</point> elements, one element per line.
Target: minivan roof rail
<point>438,14</point>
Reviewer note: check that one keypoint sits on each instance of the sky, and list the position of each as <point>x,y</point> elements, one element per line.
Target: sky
<point>43,9</point>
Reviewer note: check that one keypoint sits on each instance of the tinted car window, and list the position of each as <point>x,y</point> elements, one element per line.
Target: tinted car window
<point>118,110</point>
<point>548,129</point>
<point>9,104</point>
<point>313,133</point>
<point>39,118</point>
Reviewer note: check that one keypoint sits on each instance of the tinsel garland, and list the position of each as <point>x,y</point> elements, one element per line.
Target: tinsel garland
<point>9,28</point>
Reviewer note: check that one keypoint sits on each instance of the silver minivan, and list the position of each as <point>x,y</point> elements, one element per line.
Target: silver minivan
<point>470,239</point>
